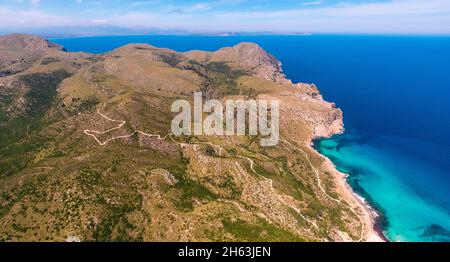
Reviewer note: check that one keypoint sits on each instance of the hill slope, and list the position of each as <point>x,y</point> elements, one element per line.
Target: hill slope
<point>85,153</point>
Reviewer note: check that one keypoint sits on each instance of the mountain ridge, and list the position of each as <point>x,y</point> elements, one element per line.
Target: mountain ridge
<point>59,183</point>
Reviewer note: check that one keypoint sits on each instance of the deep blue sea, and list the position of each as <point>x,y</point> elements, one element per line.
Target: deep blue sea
<point>395,94</point>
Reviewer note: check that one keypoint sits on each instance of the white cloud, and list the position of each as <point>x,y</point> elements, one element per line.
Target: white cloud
<point>398,16</point>
<point>312,3</point>
<point>35,2</point>
<point>144,3</point>
<point>395,16</point>
<point>402,16</point>
<point>199,7</point>
<point>30,18</point>
<point>99,21</point>
<point>397,7</point>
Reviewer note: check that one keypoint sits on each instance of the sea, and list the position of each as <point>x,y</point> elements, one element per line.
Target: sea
<point>395,95</point>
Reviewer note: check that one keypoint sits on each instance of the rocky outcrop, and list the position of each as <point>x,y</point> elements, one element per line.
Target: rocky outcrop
<point>325,122</point>
<point>29,43</point>
<point>245,56</point>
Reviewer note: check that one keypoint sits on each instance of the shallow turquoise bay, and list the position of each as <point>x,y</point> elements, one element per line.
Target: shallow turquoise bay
<point>392,181</point>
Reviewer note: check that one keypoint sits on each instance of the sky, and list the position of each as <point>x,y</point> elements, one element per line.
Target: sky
<point>282,16</point>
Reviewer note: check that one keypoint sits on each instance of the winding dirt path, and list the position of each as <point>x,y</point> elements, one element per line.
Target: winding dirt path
<point>121,123</point>
<point>93,133</point>
<point>319,184</point>
<point>252,163</point>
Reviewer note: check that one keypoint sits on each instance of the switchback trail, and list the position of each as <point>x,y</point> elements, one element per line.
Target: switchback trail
<point>121,123</point>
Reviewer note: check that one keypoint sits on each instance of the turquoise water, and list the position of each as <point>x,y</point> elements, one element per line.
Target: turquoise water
<point>404,187</point>
<point>395,94</point>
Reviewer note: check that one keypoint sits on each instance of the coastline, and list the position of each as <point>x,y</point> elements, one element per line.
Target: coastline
<point>333,124</point>
<point>372,230</point>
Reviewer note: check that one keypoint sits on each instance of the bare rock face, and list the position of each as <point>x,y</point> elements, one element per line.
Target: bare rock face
<point>326,125</point>
<point>325,122</point>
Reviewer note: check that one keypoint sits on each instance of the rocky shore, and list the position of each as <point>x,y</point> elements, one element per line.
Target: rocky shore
<point>325,128</point>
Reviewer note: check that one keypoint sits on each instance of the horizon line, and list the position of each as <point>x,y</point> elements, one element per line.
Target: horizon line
<point>54,35</point>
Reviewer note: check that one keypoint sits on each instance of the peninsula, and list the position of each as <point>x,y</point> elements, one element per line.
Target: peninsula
<point>86,152</point>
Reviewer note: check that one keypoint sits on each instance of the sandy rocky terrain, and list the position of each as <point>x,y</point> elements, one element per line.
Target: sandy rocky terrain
<point>86,153</point>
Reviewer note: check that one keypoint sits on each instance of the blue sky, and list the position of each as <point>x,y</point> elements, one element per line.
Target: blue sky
<point>284,16</point>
